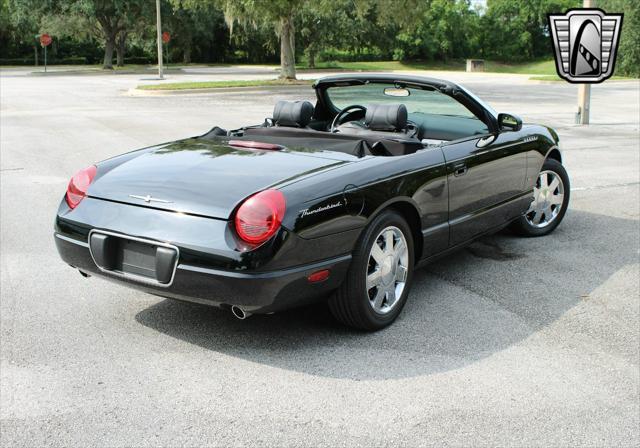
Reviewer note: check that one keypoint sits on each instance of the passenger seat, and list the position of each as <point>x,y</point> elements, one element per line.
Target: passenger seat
<point>295,114</point>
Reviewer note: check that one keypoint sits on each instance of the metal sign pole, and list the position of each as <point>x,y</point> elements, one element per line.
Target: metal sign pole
<point>584,90</point>
<point>159,25</point>
<point>45,59</point>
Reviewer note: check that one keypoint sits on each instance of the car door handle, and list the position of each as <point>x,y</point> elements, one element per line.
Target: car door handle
<point>485,141</point>
<point>459,169</point>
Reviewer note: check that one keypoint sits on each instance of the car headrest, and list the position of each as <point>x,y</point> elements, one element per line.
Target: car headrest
<point>292,113</point>
<point>386,117</point>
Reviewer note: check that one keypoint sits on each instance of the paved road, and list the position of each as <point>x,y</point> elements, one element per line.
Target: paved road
<point>509,342</point>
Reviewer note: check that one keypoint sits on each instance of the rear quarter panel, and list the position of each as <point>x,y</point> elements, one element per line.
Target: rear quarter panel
<point>336,205</point>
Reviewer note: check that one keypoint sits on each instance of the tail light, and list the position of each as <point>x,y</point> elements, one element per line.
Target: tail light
<point>78,186</point>
<point>259,217</point>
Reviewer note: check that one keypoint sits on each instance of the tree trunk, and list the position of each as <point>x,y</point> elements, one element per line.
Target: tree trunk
<point>120,49</point>
<point>186,53</point>
<point>311,55</point>
<point>109,45</point>
<point>287,52</point>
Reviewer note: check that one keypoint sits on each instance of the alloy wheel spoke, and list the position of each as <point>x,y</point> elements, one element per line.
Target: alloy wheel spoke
<point>391,295</point>
<point>379,298</point>
<point>377,253</point>
<point>554,184</point>
<point>557,199</point>
<point>537,217</point>
<point>544,182</point>
<point>548,214</point>
<point>401,274</point>
<point>399,250</point>
<point>388,242</point>
<point>534,202</point>
<point>373,279</point>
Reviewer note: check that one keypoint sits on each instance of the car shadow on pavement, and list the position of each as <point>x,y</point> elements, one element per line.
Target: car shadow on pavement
<point>463,308</point>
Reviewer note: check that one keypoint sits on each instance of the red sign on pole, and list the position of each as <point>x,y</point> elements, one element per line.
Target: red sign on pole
<point>166,37</point>
<point>45,40</point>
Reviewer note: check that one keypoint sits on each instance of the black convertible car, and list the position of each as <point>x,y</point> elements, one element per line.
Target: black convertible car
<point>343,199</point>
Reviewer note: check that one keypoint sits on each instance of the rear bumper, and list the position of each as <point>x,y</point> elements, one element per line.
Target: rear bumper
<point>261,292</point>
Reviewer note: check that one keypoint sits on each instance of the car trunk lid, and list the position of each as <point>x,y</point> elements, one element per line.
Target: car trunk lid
<point>201,177</point>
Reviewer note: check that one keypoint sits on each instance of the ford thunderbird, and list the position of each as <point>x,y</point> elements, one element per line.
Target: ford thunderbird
<point>340,200</point>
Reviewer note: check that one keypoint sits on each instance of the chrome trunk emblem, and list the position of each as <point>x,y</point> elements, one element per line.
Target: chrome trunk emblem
<point>149,198</point>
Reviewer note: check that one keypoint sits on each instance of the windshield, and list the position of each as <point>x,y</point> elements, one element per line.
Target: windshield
<point>417,101</point>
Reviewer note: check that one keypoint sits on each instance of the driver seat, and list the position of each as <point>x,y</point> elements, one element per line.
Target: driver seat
<point>382,121</point>
<point>385,128</point>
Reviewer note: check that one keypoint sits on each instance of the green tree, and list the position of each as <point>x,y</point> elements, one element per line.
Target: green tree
<point>279,15</point>
<point>19,26</point>
<point>445,30</point>
<point>198,29</point>
<point>518,29</point>
<point>103,20</point>
<point>628,60</point>
<point>329,23</point>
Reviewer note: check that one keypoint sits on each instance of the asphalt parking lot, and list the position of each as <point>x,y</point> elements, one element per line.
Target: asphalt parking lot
<point>521,342</point>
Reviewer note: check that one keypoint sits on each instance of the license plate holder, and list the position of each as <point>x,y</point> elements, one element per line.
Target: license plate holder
<point>134,258</point>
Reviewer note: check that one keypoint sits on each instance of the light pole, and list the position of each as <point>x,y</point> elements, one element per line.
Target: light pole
<point>159,38</point>
<point>584,90</point>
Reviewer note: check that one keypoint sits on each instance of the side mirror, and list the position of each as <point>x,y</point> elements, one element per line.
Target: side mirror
<point>509,122</point>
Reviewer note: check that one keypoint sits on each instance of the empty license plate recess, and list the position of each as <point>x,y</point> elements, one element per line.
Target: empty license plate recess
<point>135,258</point>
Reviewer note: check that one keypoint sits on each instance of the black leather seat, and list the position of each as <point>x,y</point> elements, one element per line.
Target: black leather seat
<point>386,117</point>
<point>296,114</point>
<point>382,121</point>
<point>386,129</point>
<point>385,133</point>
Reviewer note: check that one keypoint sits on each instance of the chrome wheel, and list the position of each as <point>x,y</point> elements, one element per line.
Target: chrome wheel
<point>548,196</point>
<point>387,269</point>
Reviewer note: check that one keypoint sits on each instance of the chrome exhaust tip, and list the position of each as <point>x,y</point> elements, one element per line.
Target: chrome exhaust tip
<point>239,312</point>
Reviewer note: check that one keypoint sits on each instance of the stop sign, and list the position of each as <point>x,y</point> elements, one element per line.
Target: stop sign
<point>166,37</point>
<point>45,40</point>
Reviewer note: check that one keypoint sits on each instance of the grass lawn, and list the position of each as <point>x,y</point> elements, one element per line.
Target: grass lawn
<point>454,65</point>
<point>528,68</point>
<point>543,70</point>
<point>224,84</point>
<point>555,77</point>
<point>546,67</point>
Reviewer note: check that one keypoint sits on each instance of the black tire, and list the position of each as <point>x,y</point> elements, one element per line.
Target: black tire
<point>350,304</point>
<point>524,227</point>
